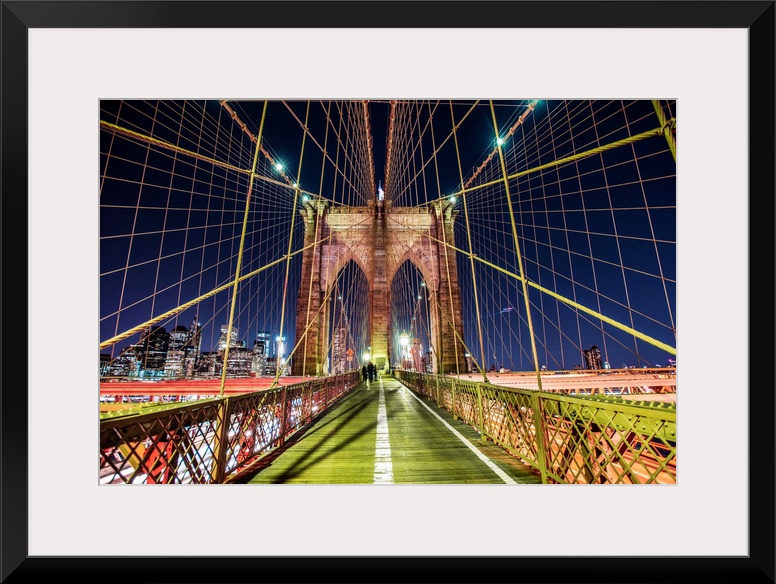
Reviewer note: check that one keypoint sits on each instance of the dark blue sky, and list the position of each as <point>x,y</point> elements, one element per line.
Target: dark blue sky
<point>600,231</point>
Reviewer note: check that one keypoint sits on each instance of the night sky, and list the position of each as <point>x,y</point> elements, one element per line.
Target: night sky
<point>599,231</point>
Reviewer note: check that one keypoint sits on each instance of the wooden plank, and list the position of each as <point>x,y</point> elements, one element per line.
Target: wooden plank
<point>340,447</point>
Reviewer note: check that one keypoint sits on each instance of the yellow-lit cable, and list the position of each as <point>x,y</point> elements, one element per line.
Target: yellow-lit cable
<point>564,300</point>
<point>624,142</point>
<point>198,299</point>
<point>230,324</point>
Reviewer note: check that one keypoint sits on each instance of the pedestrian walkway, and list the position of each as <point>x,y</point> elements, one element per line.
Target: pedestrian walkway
<point>383,433</point>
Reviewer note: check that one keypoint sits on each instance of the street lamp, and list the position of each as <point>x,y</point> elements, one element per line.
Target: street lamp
<point>404,340</point>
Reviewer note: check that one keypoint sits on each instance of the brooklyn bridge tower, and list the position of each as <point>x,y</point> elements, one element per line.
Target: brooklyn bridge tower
<point>379,238</point>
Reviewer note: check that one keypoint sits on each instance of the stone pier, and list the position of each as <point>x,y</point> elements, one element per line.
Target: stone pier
<point>379,238</point>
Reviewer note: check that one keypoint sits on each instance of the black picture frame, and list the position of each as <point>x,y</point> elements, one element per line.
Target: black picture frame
<point>18,566</point>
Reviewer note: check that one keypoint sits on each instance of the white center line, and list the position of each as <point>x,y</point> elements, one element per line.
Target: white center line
<point>502,475</point>
<point>383,465</point>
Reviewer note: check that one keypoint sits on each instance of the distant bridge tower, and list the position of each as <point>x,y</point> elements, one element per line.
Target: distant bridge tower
<point>379,238</point>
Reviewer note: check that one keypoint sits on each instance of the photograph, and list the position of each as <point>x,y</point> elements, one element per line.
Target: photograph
<point>348,292</point>
<point>287,286</point>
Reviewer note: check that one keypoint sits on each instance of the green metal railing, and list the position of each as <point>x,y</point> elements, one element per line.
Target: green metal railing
<point>567,439</point>
<point>210,440</point>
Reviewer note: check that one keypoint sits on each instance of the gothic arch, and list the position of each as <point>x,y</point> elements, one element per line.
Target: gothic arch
<point>330,272</point>
<point>379,239</point>
<point>415,255</point>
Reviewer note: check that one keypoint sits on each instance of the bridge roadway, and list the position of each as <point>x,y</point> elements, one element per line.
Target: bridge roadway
<point>383,433</point>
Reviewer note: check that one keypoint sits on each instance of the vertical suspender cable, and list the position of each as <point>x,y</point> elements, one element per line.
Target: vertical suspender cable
<point>443,211</point>
<point>240,252</point>
<point>471,259</point>
<point>517,249</point>
<point>318,218</point>
<point>278,368</point>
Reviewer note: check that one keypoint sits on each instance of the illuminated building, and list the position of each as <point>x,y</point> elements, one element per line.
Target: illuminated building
<point>222,339</point>
<point>470,366</point>
<point>174,364</point>
<point>151,351</point>
<point>104,364</point>
<point>183,351</point>
<point>593,358</point>
<point>260,353</point>
<point>338,350</point>
<point>238,363</point>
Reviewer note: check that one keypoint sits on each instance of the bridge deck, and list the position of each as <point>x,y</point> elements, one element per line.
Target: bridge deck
<point>405,440</point>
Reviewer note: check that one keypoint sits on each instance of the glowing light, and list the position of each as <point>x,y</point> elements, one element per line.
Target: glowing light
<point>404,339</point>
<point>453,199</point>
<point>278,166</point>
<point>367,356</point>
<point>499,141</point>
<point>305,198</point>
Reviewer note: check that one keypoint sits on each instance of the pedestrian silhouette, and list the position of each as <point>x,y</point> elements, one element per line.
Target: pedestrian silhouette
<point>363,373</point>
<point>370,370</point>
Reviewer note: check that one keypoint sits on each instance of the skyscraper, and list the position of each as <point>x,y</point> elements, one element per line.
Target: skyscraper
<point>593,358</point>
<point>182,350</point>
<point>339,347</point>
<point>152,352</point>
<point>260,354</point>
<point>233,342</point>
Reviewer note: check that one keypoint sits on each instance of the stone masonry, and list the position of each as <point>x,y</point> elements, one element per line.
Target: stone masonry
<point>379,238</point>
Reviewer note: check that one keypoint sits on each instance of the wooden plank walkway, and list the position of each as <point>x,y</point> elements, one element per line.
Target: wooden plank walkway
<point>385,433</point>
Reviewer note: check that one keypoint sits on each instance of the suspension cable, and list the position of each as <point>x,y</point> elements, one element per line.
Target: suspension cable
<point>517,250</point>
<point>288,254</point>
<point>240,254</point>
